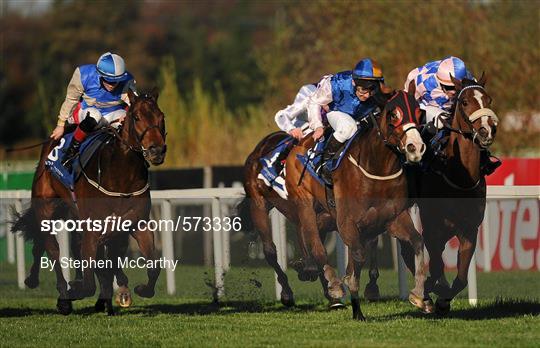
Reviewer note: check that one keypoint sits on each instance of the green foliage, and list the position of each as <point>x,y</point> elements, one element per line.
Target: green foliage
<point>201,129</point>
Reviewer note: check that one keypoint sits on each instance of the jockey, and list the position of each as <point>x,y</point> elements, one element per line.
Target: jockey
<point>433,88</point>
<point>348,95</point>
<point>101,90</point>
<point>436,94</point>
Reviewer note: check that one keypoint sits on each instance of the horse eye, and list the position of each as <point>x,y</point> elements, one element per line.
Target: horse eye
<point>464,102</point>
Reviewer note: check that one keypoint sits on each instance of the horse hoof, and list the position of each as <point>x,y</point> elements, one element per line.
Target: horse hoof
<point>287,301</point>
<point>336,304</point>
<point>64,307</point>
<point>123,298</point>
<point>144,291</point>
<point>428,307</point>
<point>99,306</point>
<point>336,290</point>
<point>442,307</point>
<point>359,317</point>
<point>372,293</point>
<point>416,301</point>
<point>31,282</point>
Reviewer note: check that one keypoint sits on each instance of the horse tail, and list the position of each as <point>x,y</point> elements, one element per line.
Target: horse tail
<point>243,212</point>
<point>25,222</point>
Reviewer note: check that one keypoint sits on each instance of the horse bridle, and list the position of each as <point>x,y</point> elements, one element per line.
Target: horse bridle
<point>469,119</point>
<point>393,147</point>
<point>139,137</point>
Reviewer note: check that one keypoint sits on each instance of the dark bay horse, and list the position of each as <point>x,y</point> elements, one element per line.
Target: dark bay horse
<point>453,197</point>
<point>371,195</point>
<point>115,183</point>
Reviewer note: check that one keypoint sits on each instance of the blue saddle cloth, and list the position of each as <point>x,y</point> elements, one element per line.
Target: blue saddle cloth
<point>270,162</point>
<point>313,156</point>
<point>89,146</point>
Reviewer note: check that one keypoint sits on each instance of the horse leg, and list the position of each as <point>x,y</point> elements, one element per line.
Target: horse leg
<point>371,292</point>
<point>118,250</point>
<point>357,258</point>
<point>75,246</point>
<point>259,214</point>
<point>63,304</point>
<point>466,250</point>
<point>32,281</point>
<point>105,278</point>
<point>89,255</point>
<point>403,228</point>
<point>308,228</point>
<point>145,240</point>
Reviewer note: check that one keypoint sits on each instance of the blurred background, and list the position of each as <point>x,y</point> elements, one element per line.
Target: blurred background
<point>225,67</point>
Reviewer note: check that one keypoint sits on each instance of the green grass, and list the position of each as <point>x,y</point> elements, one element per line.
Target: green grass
<point>507,315</point>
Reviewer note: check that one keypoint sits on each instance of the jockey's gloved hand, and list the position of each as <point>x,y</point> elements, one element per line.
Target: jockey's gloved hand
<point>57,132</point>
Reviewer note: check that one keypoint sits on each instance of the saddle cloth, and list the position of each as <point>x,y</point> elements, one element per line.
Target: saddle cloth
<point>89,146</point>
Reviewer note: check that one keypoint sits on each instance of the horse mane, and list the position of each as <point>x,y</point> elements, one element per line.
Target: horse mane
<point>465,82</point>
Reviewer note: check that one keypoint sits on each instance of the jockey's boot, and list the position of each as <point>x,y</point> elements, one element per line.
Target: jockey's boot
<point>328,154</point>
<point>488,163</point>
<point>71,153</point>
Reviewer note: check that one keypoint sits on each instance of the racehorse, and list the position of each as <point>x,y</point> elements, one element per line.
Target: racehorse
<point>370,195</point>
<point>452,197</point>
<point>120,189</point>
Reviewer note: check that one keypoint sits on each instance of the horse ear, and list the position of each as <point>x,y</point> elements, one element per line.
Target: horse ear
<point>154,93</point>
<point>483,80</point>
<point>131,95</point>
<point>456,82</point>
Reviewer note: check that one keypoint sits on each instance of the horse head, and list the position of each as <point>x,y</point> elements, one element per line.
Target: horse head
<point>145,124</point>
<point>399,125</point>
<point>472,111</point>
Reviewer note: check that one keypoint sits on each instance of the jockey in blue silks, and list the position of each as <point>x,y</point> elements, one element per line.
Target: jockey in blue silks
<point>436,93</point>
<point>96,96</point>
<point>349,96</point>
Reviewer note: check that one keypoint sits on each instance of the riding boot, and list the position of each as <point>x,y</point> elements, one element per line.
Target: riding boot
<point>331,149</point>
<point>488,163</point>
<point>71,153</point>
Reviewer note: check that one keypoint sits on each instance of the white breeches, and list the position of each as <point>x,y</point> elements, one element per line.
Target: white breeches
<point>102,120</point>
<point>343,124</point>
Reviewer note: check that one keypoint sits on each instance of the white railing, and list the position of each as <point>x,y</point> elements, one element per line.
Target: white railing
<point>220,199</point>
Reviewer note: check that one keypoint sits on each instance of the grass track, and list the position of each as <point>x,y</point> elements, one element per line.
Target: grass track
<point>249,316</point>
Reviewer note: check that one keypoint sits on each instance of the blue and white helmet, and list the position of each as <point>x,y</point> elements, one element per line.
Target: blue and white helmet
<point>111,68</point>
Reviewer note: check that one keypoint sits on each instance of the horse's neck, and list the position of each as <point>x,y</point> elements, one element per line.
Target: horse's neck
<point>374,156</point>
<point>463,155</point>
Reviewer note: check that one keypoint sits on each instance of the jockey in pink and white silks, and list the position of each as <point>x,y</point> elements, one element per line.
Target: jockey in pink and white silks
<point>101,90</point>
<point>436,93</point>
<point>434,89</point>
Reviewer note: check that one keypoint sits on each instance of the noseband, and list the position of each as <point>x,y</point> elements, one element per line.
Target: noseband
<point>469,119</point>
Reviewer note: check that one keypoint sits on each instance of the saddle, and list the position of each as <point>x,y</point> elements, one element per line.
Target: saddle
<point>90,145</point>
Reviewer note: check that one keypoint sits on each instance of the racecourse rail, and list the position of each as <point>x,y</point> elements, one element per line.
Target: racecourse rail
<point>220,200</point>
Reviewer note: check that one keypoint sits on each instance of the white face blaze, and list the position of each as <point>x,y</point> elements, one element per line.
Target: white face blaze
<point>412,137</point>
<point>484,119</point>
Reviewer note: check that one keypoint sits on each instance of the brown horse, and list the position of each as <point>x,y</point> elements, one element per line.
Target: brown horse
<point>453,197</point>
<point>259,200</point>
<point>120,188</point>
<point>370,194</point>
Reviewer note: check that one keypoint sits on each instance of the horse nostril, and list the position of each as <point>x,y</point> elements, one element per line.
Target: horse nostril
<point>483,132</point>
<point>423,148</point>
<point>411,148</point>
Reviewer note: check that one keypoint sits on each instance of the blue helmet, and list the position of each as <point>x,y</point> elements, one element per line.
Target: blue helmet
<point>111,68</point>
<point>368,69</point>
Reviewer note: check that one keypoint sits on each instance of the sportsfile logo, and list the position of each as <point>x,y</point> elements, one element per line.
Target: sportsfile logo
<point>117,223</point>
